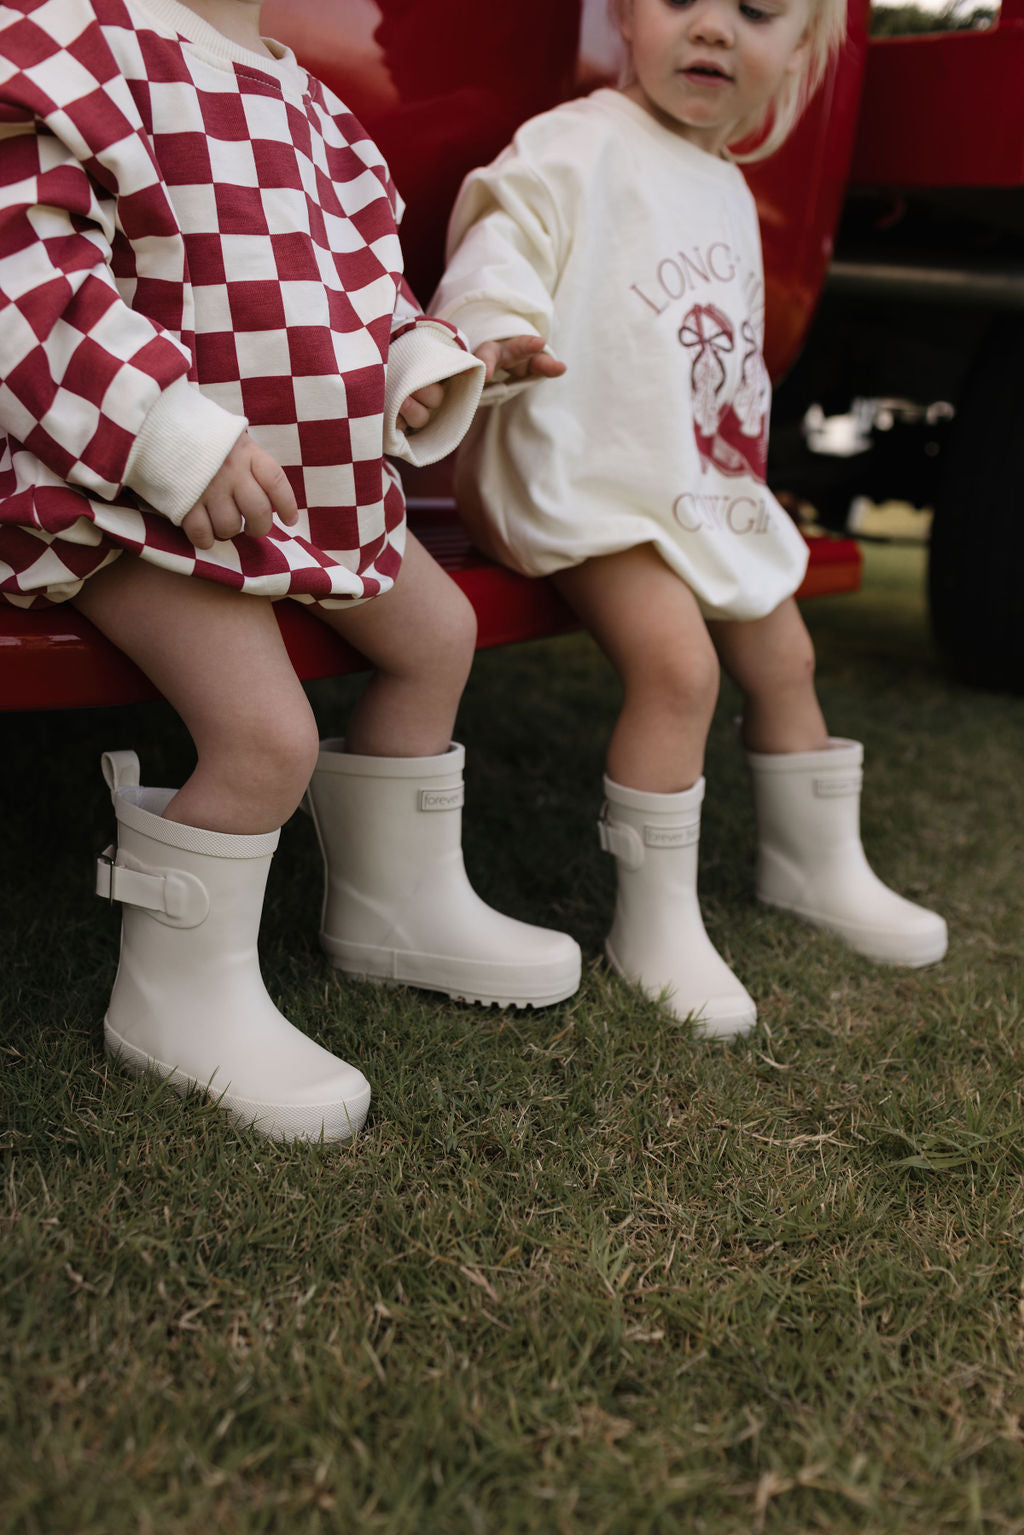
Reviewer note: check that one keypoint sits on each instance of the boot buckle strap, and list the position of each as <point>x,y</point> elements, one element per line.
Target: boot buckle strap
<point>622,842</point>
<point>627,845</point>
<point>178,899</point>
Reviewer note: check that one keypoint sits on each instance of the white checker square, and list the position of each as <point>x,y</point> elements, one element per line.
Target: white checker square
<point>305,303</point>
<point>249,258</point>
<point>329,485</point>
<point>261,353</point>
<point>196,207</point>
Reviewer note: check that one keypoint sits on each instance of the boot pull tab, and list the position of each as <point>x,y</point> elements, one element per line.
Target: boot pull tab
<point>120,771</point>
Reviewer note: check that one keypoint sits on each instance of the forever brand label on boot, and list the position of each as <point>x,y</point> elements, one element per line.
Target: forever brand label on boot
<point>443,799</point>
<point>836,788</point>
<point>671,836</point>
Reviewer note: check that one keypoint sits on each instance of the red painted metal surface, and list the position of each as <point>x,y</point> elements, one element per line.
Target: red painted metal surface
<point>800,191</point>
<point>54,659</point>
<point>946,109</point>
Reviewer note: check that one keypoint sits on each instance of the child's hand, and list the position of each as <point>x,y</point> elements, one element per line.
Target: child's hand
<point>417,410</point>
<point>519,357</point>
<point>248,488</point>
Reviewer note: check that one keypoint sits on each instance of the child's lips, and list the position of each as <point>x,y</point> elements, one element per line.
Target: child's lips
<point>706,74</point>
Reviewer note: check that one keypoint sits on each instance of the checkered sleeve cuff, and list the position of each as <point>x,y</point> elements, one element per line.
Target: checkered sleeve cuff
<point>183,442</point>
<point>429,353</point>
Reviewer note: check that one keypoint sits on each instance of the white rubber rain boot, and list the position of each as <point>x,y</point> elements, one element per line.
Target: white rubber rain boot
<point>189,1002</point>
<point>811,862</point>
<point>657,937</point>
<point>398,905</point>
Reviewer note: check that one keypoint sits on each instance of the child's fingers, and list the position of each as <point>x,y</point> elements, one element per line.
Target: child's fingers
<point>520,357</point>
<point>417,410</point>
<point>251,507</point>
<point>273,481</point>
<point>197,528</point>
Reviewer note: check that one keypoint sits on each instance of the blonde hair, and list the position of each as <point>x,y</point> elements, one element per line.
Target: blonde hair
<point>826,32</point>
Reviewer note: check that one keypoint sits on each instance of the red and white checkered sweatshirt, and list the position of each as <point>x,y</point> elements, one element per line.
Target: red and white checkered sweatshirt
<point>195,238</point>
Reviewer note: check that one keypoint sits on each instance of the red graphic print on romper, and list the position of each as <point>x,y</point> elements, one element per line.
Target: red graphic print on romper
<point>730,435</point>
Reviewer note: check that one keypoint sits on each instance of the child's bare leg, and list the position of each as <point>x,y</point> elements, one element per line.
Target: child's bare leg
<point>219,660</point>
<point>648,624</point>
<point>771,660</point>
<point>420,638</point>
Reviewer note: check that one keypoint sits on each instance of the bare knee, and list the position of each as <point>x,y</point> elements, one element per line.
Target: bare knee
<point>440,650</point>
<point>263,757</point>
<point>783,669</point>
<point>682,683</point>
<point>454,641</point>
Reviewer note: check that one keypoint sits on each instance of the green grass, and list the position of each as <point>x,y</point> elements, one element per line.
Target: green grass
<point>579,1272</point>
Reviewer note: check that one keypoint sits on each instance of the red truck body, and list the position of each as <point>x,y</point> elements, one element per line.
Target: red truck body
<point>442,85</point>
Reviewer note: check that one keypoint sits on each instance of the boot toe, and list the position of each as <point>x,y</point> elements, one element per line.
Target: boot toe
<point>919,938</point>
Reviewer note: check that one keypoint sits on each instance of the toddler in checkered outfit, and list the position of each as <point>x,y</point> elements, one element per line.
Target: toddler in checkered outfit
<point>208,349</point>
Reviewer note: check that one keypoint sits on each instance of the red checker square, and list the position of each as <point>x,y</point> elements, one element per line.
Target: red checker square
<point>317,225</point>
<point>90,370</point>
<point>390,562</point>
<point>334,527</point>
<point>375,222</point>
<point>205,257</point>
<point>25,44</point>
<point>368,478</point>
<point>261,556</point>
<point>108,450</point>
<point>370,553</point>
<point>311,351</point>
<point>30,382</point>
<point>359,268</point>
<point>50,507</point>
<point>394,507</point>
<point>147,213</point>
<point>298,126</point>
<point>160,359</point>
<point>41,305</point>
<point>344,319</point>
<point>160,302</point>
<point>216,358</point>
<point>56,458</point>
<point>21,160</point>
<point>91,49</point>
<point>295,257</point>
<point>380,331</point>
<point>163,59</point>
<point>63,186</point>
<point>162,534</point>
<point>71,253</point>
<point>99,121</point>
<point>324,443</point>
<point>268,401</point>
<point>343,164</point>
<point>223,117</point>
<point>21,551</point>
<point>276,165</point>
<point>256,305</point>
<point>219,573</point>
<point>364,388</point>
<point>184,158</point>
<point>240,210</point>
<point>82,559</point>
